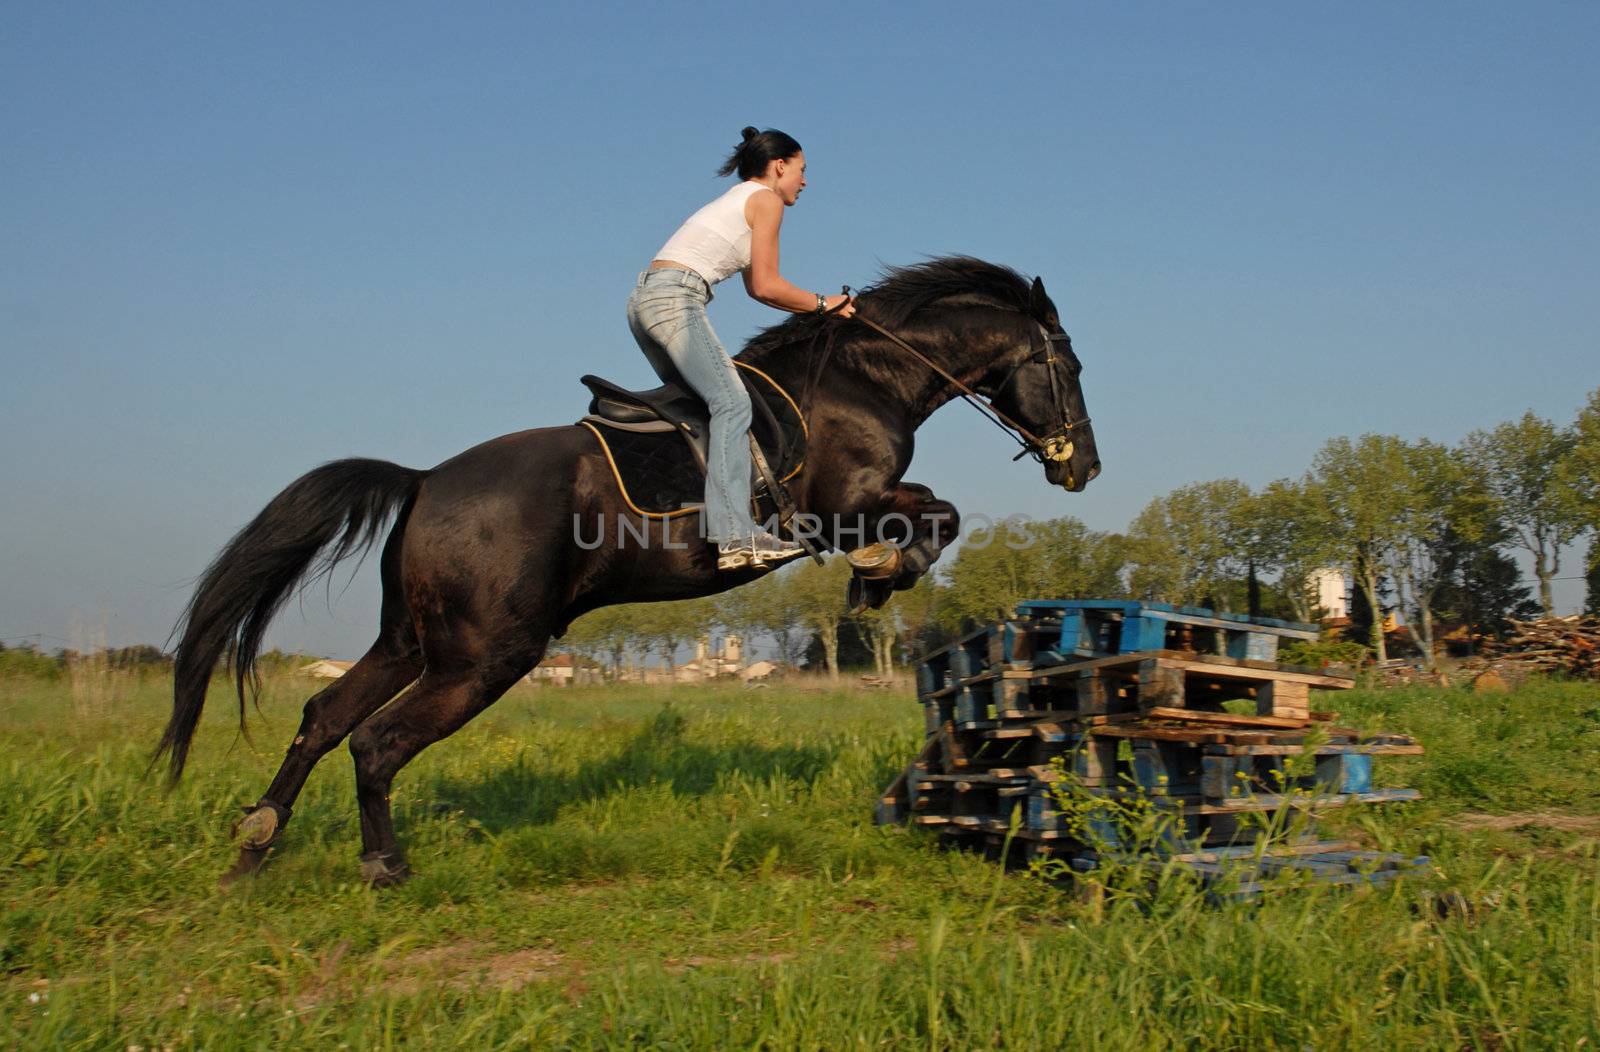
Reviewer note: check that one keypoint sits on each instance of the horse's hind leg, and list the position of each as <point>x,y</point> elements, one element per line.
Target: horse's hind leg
<point>330,715</point>
<point>440,704</point>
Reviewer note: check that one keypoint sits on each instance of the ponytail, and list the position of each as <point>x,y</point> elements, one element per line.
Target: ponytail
<point>757,150</point>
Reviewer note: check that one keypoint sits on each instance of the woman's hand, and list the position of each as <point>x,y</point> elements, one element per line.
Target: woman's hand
<point>839,306</point>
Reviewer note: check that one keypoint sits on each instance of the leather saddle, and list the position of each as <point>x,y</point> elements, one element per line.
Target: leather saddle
<point>656,439</point>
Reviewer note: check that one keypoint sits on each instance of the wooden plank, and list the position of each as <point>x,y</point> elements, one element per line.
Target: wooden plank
<point>1233,668</point>
<point>1139,607</point>
<point>1073,668</point>
<point>1095,762</point>
<point>1238,749</point>
<point>1345,772</point>
<point>1310,635</point>
<point>1096,696</point>
<point>1216,664</point>
<point>1160,685</point>
<point>1051,731</point>
<point>1051,714</point>
<point>1228,719</point>
<point>1209,736</point>
<point>954,753</point>
<point>1005,733</point>
<point>1273,801</point>
<point>1192,803</point>
<point>1167,734</point>
<point>1226,854</point>
<point>975,778</point>
<point>1284,698</point>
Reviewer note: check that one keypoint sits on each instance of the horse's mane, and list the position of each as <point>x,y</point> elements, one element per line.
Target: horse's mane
<point>902,292</point>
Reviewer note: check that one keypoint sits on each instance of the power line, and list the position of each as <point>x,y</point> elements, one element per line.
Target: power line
<point>34,637</point>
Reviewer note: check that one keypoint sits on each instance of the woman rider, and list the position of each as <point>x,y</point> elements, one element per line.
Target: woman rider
<point>667,314</point>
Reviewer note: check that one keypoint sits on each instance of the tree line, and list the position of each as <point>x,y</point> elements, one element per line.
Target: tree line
<point>1424,530</point>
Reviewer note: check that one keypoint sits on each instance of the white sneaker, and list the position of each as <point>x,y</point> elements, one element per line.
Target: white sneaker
<point>770,549</point>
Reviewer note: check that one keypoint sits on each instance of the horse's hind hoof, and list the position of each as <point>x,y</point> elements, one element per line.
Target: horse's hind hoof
<point>250,861</point>
<point>258,828</point>
<point>256,832</point>
<point>384,869</point>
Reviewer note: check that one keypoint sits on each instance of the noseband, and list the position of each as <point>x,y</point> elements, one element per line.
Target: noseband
<point>1058,445</point>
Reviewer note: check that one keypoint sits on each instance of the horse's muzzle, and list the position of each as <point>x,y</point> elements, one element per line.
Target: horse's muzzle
<point>1062,473</point>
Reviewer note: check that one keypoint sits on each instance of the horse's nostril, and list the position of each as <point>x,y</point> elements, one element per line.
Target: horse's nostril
<point>1094,472</point>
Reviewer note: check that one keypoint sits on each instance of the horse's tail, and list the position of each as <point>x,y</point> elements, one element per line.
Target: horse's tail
<point>335,510</point>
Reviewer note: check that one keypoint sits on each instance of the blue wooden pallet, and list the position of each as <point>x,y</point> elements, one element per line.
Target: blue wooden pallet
<point>1099,627</point>
<point>1239,873</point>
<point>1127,684</point>
<point>999,645</point>
<point>1191,808</point>
<point>1162,768</point>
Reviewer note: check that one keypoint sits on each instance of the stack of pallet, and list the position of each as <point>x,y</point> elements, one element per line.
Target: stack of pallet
<point>1184,710</point>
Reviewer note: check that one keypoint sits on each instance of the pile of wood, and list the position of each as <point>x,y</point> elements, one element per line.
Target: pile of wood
<point>1569,645</point>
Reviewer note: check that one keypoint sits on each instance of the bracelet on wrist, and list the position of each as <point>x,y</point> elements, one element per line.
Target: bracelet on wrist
<point>822,303</point>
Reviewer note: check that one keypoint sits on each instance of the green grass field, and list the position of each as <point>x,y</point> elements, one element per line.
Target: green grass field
<point>698,869</point>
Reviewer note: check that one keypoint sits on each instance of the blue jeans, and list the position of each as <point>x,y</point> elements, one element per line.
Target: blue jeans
<point>667,315</point>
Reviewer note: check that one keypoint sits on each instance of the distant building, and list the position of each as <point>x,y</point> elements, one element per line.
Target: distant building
<point>564,670</point>
<point>707,665</point>
<point>726,662</point>
<point>1333,593</point>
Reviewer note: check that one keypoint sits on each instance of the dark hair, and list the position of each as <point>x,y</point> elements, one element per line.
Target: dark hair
<point>759,148</point>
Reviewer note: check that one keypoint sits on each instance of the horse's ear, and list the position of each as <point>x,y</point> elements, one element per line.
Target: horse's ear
<point>1038,301</point>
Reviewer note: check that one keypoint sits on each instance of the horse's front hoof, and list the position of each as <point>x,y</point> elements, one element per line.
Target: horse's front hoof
<point>384,869</point>
<point>862,595</point>
<point>875,562</point>
<point>249,863</point>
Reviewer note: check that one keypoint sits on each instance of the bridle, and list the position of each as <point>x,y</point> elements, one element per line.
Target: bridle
<point>1058,445</point>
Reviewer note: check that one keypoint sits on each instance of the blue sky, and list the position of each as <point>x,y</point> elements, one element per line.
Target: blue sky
<point>240,240</point>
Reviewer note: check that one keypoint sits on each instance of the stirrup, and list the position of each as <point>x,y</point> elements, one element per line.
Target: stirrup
<point>735,559</point>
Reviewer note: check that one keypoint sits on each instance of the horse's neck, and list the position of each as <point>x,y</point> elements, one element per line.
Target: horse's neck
<point>969,355</point>
<point>895,380</point>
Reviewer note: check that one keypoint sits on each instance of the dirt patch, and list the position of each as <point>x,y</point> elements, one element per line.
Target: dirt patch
<point>1529,819</point>
<point>473,965</point>
<point>897,948</point>
<point>676,965</point>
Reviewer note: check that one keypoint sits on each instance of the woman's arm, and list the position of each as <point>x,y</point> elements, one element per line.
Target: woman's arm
<point>762,280</point>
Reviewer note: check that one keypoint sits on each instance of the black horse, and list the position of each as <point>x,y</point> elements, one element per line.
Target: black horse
<point>481,569</point>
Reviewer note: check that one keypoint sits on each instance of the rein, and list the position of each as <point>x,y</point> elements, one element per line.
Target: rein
<point>1056,446</point>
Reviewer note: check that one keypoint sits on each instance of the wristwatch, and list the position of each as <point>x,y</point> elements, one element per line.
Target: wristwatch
<point>822,303</point>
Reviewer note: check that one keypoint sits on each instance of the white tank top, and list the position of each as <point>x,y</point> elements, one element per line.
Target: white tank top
<point>715,241</point>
